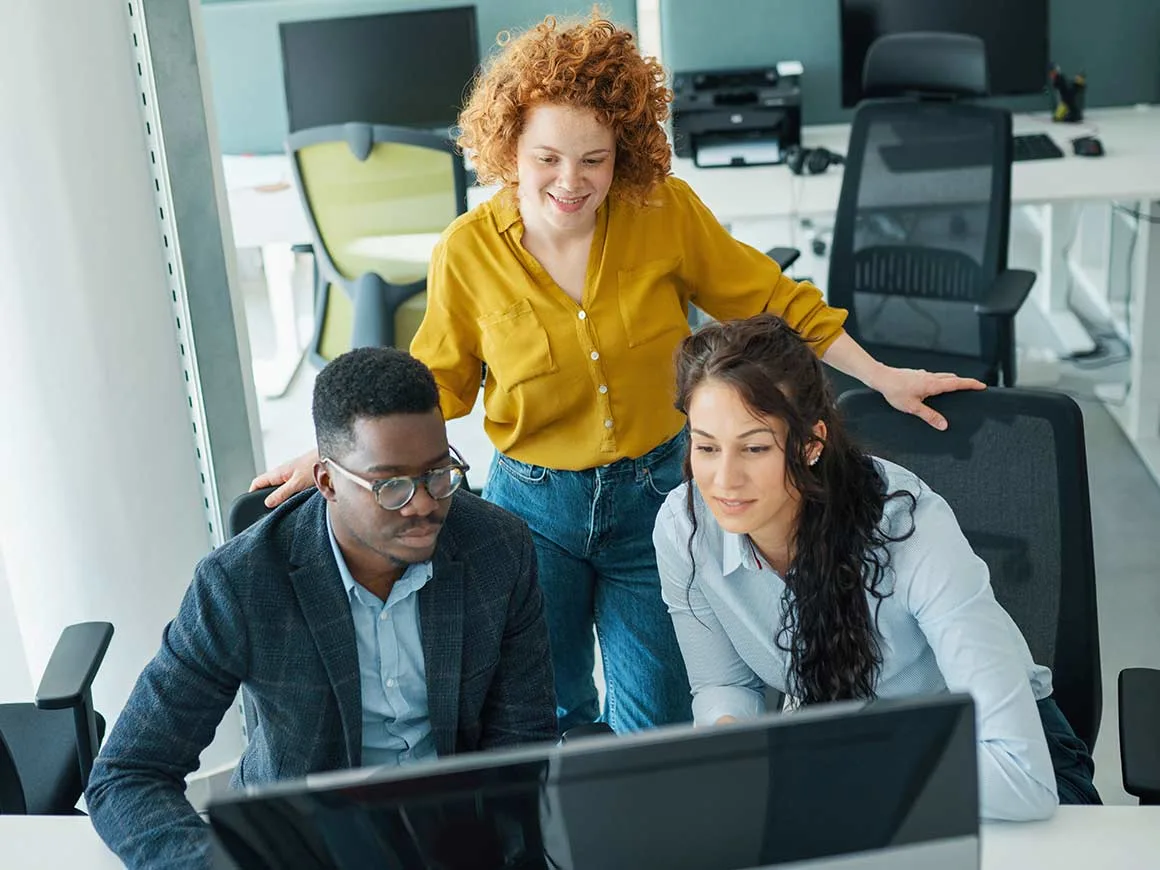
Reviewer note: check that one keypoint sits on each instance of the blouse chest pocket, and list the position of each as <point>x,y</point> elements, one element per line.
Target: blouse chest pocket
<point>515,345</point>
<point>651,301</point>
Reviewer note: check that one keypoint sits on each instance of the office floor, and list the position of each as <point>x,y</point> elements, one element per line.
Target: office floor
<point>1125,499</point>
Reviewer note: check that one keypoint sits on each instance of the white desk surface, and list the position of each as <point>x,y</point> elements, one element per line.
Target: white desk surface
<point>1106,838</point>
<point>1128,171</point>
<point>265,207</point>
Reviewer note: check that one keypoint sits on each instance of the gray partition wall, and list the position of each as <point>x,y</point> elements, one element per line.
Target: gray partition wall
<point>1116,43</point>
<point>245,55</point>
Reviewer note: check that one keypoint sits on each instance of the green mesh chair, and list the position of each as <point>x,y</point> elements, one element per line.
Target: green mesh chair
<point>377,197</point>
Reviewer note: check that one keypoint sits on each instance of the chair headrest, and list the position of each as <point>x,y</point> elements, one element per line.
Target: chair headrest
<point>926,63</point>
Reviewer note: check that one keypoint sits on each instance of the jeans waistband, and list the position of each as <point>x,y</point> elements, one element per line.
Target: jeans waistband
<point>637,467</point>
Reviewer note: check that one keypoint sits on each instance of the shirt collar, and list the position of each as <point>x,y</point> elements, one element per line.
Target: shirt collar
<point>737,552</point>
<point>413,579</point>
<point>506,209</point>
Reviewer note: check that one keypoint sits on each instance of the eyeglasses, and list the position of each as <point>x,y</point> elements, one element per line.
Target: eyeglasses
<point>395,493</point>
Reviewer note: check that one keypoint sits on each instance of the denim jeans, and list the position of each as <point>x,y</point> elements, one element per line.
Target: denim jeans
<point>593,536</point>
<point>1074,768</point>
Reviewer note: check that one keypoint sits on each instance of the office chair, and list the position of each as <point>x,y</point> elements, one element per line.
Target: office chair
<point>47,747</point>
<point>390,184</point>
<point>247,509</point>
<point>919,250</point>
<point>1013,468</point>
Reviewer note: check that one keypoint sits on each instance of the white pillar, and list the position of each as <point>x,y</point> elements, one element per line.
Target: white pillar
<point>102,502</point>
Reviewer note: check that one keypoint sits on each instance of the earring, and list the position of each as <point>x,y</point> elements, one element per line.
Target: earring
<point>814,459</point>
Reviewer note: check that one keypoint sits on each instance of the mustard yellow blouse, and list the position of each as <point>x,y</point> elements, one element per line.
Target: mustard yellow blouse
<point>573,386</point>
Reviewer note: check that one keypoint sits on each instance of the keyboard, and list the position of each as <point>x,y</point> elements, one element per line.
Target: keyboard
<point>1034,146</point>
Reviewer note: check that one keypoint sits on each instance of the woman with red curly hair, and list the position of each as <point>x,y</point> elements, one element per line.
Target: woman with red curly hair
<point>572,285</point>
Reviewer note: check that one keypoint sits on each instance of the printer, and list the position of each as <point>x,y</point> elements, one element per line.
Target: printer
<point>737,117</point>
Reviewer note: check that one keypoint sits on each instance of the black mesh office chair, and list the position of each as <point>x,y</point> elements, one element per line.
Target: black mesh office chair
<point>247,509</point>
<point>47,747</point>
<point>1013,468</point>
<point>919,253</point>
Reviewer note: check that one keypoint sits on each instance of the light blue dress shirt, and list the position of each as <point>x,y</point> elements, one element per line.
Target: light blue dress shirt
<point>941,629</point>
<point>396,729</point>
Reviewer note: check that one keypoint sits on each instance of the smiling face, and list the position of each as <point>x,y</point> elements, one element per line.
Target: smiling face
<point>565,161</point>
<point>738,462</point>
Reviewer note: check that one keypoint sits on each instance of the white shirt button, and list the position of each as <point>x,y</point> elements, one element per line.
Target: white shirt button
<point>391,683</point>
<point>383,616</point>
<point>583,315</point>
<point>607,424</point>
<point>603,388</point>
<point>594,355</point>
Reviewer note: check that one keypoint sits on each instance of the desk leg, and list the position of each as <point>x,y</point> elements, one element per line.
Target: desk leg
<point>1058,230</point>
<point>272,376</point>
<point>1138,413</point>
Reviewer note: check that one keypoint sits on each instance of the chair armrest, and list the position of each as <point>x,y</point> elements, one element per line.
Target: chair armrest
<point>69,676</point>
<point>784,257</point>
<point>1004,297</point>
<point>1139,690</point>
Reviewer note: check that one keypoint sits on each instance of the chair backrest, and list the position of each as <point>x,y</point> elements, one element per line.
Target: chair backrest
<point>1013,468</point>
<point>362,181</point>
<point>946,64</point>
<point>922,224</point>
<point>247,509</point>
<point>397,186</point>
<point>11,791</point>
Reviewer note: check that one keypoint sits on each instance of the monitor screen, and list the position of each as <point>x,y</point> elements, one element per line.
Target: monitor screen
<point>828,786</point>
<point>407,69</point>
<point>1015,33</point>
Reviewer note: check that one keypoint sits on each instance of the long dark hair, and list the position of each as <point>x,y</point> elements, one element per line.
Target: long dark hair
<point>839,551</point>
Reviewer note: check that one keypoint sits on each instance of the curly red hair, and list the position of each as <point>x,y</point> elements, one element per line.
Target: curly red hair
<point>593,65</point>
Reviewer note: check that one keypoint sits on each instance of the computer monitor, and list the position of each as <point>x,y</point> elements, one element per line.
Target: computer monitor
<point>1015,33</point>
<point>887,785</point>
<point>407,69</point>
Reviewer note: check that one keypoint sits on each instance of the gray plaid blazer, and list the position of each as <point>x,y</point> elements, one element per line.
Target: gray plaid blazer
<point>268,612</point>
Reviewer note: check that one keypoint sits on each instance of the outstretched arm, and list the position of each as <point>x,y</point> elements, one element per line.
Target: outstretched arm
<point>136,794</point>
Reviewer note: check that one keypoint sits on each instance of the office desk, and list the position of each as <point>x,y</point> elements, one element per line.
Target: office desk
<point>1052,191</point>
<point>1129,171</point>
<point>1107,838</point>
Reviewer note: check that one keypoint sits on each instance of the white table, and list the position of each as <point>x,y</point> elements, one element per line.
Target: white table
<point>266,214</point>
<point>1052,191</point>
<point>1083,838</point>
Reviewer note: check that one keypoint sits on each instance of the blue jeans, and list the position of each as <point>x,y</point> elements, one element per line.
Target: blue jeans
<point>593,536</point>
<point>1074,768</point>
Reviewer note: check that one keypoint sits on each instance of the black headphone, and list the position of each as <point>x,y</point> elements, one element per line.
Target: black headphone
<point>811,161</point>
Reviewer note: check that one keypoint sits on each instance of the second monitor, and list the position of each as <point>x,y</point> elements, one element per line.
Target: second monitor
<point>406,69</point>
<point>1015,33</point>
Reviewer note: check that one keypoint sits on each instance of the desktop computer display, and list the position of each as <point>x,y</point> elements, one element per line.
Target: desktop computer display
<point>1015,33</point>
<point>407,69</point>
<point>889,784</point>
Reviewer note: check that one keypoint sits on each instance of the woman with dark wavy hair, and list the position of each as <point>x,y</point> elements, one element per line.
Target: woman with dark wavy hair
<point>793,559</point>
<point>572,285</point>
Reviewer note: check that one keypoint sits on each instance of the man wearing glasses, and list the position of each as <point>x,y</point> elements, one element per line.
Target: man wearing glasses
<point>388,617</point>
